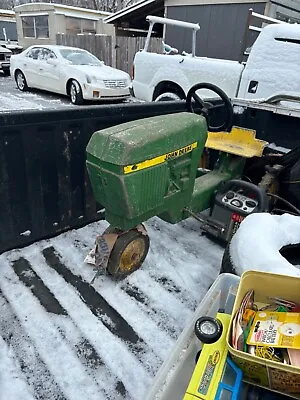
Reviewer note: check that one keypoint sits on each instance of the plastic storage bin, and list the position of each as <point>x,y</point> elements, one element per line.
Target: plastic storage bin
<point>174,375</point>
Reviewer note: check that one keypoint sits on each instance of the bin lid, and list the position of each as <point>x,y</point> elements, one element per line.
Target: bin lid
<point>144,139</point>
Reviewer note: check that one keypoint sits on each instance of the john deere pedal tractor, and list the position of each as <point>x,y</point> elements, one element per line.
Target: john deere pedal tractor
<point>150,167</point>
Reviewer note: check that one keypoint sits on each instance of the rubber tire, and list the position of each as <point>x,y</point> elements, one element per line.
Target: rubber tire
<point>6,71</point>
<point>168,96</point>
<point>226,264</point>
<point>20,73</point>
<point>118,249</point>
<point>288,252</point>
<point>197,356</point>
<point>79,97</point>
<point>208,338</point>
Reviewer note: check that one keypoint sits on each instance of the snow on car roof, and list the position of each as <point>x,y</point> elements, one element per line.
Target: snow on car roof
<point>56,47</point>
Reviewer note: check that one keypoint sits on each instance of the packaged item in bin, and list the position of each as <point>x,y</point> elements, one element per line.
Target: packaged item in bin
<point>238,338</point>
<point>276,329</point>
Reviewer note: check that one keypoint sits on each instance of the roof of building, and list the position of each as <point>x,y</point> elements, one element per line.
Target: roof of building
<point>134,16</point>
<point>61,7</point>
<point>8,12</point>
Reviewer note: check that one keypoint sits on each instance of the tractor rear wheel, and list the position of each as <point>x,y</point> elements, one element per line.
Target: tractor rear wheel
<point>128,253</point>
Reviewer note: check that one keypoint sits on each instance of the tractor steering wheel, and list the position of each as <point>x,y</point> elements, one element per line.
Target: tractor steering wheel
<point>206,107</point>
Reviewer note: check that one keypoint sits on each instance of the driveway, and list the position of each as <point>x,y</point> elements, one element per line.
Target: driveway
<point>12,99</point>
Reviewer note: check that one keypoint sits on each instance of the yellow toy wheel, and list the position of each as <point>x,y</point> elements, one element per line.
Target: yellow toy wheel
<point>128,253</point>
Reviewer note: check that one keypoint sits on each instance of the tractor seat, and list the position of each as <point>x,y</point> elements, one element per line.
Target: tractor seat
<point>239,141</point>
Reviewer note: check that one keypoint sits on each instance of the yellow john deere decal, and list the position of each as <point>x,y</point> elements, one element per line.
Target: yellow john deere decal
<point>160,159</point>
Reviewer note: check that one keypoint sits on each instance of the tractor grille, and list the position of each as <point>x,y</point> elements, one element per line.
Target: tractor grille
<point>115,83</point>
<point>152,183</point>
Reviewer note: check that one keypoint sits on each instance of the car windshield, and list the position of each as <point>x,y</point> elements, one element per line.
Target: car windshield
<point>79,57</point>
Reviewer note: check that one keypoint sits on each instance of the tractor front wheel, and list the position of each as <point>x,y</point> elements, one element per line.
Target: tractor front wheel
<point>128,253</point>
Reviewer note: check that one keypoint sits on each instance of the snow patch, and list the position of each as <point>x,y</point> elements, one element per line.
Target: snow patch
<point>258,240</point>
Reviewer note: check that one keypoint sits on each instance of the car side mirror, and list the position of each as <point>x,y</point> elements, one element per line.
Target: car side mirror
<point>52,61</point>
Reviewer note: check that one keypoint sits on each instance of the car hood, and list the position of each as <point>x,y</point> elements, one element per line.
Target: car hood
<point>101,71</point>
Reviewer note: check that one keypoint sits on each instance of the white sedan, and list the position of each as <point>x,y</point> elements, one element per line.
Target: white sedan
<point>70,71</point>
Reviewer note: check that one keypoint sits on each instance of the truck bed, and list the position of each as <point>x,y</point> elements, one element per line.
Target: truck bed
<point>62,338</point>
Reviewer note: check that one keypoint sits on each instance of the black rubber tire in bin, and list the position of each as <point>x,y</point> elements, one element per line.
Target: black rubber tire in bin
<point>208,330</point>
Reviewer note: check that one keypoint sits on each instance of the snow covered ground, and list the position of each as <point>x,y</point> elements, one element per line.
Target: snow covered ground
<point>12,99</point>
<point>62,338</point>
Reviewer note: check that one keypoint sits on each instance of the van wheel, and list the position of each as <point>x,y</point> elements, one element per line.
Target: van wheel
<point>168,96</point>
<point>208,330</point>
<point>76,93</point>
<point>21,81</point>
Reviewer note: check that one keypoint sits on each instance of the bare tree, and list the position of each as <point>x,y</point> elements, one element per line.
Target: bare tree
<point>112,5</point>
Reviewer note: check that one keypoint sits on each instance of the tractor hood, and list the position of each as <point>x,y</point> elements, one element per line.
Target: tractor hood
<point>138,169</point>
<point>142,140</point>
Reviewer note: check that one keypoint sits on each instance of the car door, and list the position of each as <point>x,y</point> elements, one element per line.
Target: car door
<point>49,71</point>
<point>29,66</point>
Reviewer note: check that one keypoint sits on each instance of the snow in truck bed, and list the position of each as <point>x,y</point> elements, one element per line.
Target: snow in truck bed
<point>62,338</point>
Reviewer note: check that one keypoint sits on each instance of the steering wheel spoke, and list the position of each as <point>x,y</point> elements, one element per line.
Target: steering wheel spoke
<point>207,108</point>
<point>198,100</point>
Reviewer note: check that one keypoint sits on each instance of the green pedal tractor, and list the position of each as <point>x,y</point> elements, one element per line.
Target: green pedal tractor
<point>151,167</point>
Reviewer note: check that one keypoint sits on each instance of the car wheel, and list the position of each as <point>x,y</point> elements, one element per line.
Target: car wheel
<point>21,81</point>
<point>76,93</point>
<point>208,330</point>
<point>168,96</point>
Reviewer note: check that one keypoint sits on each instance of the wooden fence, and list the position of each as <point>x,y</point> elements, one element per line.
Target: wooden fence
<point>116,51</point>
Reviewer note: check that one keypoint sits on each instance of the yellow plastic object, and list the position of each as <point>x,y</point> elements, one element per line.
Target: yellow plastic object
<point>270,374</point>
<point>210,366</point>
<point>240,141</point>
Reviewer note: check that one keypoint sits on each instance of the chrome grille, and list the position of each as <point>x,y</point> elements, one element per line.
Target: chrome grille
<point>113,83</point>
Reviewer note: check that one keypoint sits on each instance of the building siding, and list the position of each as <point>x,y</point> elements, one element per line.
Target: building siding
<point>222,28</point>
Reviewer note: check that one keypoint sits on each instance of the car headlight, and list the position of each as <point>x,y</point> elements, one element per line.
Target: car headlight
<point>91,79</point>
